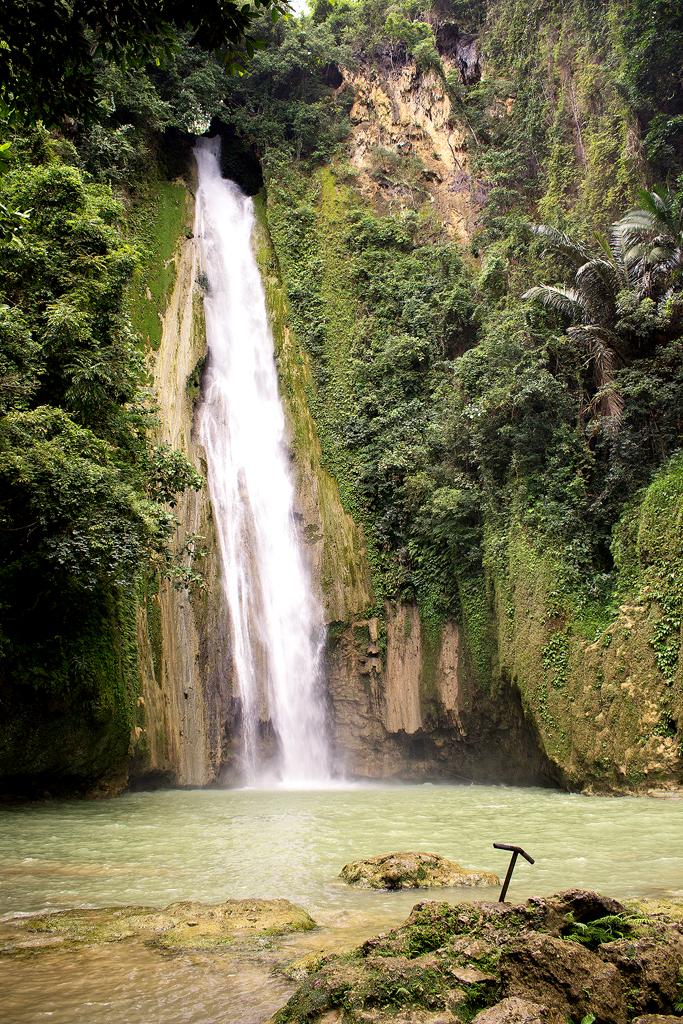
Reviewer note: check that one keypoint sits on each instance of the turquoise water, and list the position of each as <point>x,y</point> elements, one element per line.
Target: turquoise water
<point>213,845</point>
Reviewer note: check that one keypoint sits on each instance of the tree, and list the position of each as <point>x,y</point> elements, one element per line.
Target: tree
<point>651,240</point>
<point>48,50</point>
<point>592,304</point>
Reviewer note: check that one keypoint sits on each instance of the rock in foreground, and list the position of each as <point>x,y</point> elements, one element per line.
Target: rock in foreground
<point>412,871</point>
<point>180,926</point>
<point>571,956</point>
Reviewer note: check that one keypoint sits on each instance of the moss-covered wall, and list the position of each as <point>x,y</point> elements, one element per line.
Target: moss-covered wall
<point>186,698</point>
<point>403,690</point>
<point>335,543</point>
<point>77,717</point>
<point>601,679</point>
<point>78,735</point>
<point>145,691</point>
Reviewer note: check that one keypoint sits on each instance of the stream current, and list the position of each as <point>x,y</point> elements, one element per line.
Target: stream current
<point>212,845</point>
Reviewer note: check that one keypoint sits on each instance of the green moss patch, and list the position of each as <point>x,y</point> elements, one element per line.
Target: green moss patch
<point>178,927</point>
<point>157,223</point>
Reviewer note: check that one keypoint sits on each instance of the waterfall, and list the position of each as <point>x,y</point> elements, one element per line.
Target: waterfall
<point>276,622</point>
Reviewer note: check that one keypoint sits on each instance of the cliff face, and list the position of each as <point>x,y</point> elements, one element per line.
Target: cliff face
<point>605,692</point>
<point>526,682</point>
<point>404,702</point>
<point>182,638</point>
<point>409,112</point>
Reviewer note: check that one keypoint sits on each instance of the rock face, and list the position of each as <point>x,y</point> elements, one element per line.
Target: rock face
<point>180,926</point>
<point>517,1011</point>
<point>411,708</point>
<point>547,961</point>
<point>402,109</point>
<point>405,703</point>
<point>559,974</point>
<point>412,871</point>
<point>182,637</point>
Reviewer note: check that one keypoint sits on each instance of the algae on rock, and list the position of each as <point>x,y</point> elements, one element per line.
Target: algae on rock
<point>413,871</point>
<point>180,926</point>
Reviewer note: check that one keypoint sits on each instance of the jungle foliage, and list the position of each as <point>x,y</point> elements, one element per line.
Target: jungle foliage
<point>86,494</point>
<point>50,52</point>
<point>449,404</point>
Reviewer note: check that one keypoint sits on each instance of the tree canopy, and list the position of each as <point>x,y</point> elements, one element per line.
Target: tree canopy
<point>48,49</point>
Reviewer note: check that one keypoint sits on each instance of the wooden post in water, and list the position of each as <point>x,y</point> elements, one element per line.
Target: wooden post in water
<point>515,850</point>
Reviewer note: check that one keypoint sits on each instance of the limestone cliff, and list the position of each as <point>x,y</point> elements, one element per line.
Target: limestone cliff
<point>184,656</point>
<point>406,111</point>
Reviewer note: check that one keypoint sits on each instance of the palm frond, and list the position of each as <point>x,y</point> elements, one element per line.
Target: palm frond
<point>609,403</point>
<point>600,280</point>
<point>567,301</point>
<point>604,243</point>
<point>660,201</point>
<point>558,242</point>
<point>634,228</point>
<point>601,350</point>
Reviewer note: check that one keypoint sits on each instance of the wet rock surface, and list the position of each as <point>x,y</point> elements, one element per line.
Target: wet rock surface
<point>180,926</point>
<point>413,871</point>
<point>517,1011</point>
<point>657,1018</point>
<point>547,961</point>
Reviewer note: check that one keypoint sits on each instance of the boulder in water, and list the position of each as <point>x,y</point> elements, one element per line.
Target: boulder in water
<point>180,926</point>
<point>412,871</point>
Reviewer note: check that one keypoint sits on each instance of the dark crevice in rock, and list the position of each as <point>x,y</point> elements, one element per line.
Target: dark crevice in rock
<point>332,76</point>
<point>239,161</point>
<point>462,48</point>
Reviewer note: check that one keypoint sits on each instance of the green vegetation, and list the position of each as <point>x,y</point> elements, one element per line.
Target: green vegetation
<point>499,407</point>
<point>463,958</point>
<point>604,929</point>
<point>86,497</point>
<point>158,221</point>
<point>49,52</point>
<point>88,229</point>
<point>379,312</point>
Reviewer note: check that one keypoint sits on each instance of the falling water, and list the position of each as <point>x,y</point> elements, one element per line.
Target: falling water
<point>276,623</point>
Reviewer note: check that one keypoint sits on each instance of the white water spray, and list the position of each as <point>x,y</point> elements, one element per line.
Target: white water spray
<point>276,623</point>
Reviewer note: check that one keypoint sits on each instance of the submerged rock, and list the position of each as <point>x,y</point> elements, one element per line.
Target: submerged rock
<point>547,961</point>
<point>180,926</point>
<point>412,871</point>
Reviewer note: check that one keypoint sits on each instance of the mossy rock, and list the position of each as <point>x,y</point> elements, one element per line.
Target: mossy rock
<point>672,909</point>
<point>413,871</point>
<point>303,966</point>
<point>448,963</point>
<point>205,928</point>
<point>180,926</point>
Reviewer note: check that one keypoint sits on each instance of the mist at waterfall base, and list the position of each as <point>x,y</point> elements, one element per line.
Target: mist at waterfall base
<point>276,621</point>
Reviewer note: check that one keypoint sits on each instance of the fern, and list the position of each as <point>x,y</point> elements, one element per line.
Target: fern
<point>604,929</point>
